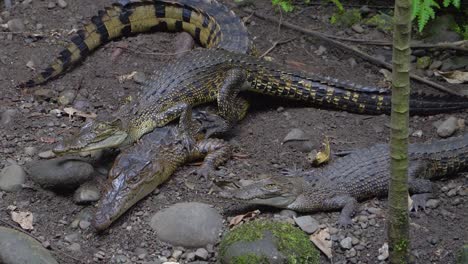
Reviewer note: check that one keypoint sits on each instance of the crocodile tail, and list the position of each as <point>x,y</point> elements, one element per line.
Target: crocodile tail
<point>427,104</point>
<point>209,22</point>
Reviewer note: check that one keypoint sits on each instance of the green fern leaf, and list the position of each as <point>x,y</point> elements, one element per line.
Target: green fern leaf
<point>426,12</point>
<point>416,7</point>
<point>447,3</point>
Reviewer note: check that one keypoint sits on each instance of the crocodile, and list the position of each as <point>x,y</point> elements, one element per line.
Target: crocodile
<point>139,169</point>
<point>207,75</point>
<point>211,24</point>
<point>361,175</point>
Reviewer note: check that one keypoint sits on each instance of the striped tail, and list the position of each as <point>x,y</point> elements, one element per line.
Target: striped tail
<point>209,22</point>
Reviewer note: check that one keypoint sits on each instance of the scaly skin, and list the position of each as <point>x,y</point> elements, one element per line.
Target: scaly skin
<point>210,23</point>
<point>361,175</point>
<point>139,169</point>
<point>203,76</point>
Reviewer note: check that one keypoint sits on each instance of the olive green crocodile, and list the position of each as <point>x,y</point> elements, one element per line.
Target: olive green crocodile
<point>208,75</point>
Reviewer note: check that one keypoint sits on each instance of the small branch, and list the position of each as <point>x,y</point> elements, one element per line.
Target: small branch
<point>276,43</point>
<point>353,49</point>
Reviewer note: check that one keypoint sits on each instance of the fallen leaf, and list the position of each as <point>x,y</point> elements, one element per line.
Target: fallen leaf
<point>75,112</point>
<point>455,77</point>
<point>243,218</point>
<point>321,157</point>
<point>126,77</point>
<point>322,241</point>
<point>295,134</point>
<point>24,219</point>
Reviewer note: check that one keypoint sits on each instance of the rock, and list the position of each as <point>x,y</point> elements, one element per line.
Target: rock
<point>357,28</point>
<point>51,5</point>
<point>435,65</point>
<point>12,178</point>
<point>448,127</point>
<point>16,25</point>
<point>365,10</point>
<point>307,223</point>
<point>87,193</point>
<point>7,116</point>
<point>288,213</point>
<point>457,201</point>
<point>74,247</point>
<point>202,254</point>
<point>44,94</point>
<point>60,174</point>
<point>62,3</point>
<point>352,62</point>
<point>177,253</point>
<point>18,248</point>
<point>140,78</point>
<point>257,242</point>
<point>295,134</point>
<point>84,224</point>
<point>46,154</point>
<point>452,193</point>
<point>30,151</point>
<point>66,97</point>
<point>423,62</point>
<point>346,243</point>
<point>432,203</point>
<point>454,63</point>
<point>73,237</point>
<point>188,224</point>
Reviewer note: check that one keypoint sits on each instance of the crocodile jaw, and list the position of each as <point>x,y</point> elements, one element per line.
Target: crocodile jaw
<point>94,136</point>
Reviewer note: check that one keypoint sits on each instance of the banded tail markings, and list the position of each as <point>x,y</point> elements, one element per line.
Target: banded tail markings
<point>148,15</point>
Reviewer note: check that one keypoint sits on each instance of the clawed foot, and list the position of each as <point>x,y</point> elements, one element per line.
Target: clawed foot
<point>187,141</point>
<point>291,172</point>
<point>203,172</point>
<point>345,222</point>
<point>419,201</point>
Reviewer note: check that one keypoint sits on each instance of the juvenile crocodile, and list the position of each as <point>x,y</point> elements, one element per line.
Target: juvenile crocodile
<point>208,75</point>
<point>139,169</point>
<point>361,175</point>
<point>211,24</point>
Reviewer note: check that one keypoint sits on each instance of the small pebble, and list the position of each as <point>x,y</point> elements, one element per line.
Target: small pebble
<point>47,154</point>
<point>84,224</point>
<point>346,243</point>
<point>307,223</point>
<point>202,254</point>
<point>448,127</point>
<point>357,28</point>
<point>62,3</point>
<point>432,203</point>
<point>51,5</point>
<point>16,25</point>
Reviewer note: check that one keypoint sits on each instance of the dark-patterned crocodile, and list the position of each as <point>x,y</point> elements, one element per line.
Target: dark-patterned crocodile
<point>211,24</point>
<point>361,175</point>
<point>139,169</point>
<point>207,75</point>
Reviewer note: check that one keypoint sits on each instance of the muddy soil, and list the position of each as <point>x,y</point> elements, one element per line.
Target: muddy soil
<point>436,234</point>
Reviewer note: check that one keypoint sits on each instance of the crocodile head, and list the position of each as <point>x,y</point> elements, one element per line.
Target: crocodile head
<point>137,172</point>
<point>278,192</point>
<point>94,135</point>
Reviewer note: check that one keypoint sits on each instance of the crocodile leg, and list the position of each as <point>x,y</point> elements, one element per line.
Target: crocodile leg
<point>231,107</point>
<point>418,186</point>
<point>347,204</point>
<point>215,151</point>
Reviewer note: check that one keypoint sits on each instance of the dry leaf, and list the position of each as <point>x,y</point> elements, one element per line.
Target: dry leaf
<point>24,219</point>
<point>243,217</point>
<point>75,112</point>
<point>323,242</point>
<point>387,75</point>
<point>321,157</point>
<point>126,77</point>
<point>453,76</point>
<point>410,203</point>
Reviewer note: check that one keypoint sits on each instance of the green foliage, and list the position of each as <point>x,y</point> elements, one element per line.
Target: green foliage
<point>347,18</point>
<point>423,10</point>
<point>462,31</point>
<point>285,5</point>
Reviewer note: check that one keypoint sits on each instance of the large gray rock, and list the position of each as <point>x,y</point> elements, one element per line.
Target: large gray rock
<point>12,178</point>
<point>60,174</point>
<point>188,224</point>
<point>448,127</point>
<point>18,248</point>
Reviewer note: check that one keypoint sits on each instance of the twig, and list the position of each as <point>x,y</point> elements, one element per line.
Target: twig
<point>458,45</point>
<point>276,43</point>
<point>352,49</point>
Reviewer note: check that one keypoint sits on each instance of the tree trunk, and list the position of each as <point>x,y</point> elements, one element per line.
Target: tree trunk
<point>398,226</point>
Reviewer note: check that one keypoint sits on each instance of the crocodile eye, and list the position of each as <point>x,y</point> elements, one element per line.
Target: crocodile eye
<point>134,180</point>
<point>270,186</point>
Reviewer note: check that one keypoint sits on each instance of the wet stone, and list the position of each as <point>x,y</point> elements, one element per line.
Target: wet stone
<point>346,243</point>
<point>307,223</point>
<point>448,127</point>
<point>202,254</point>
<point>46,154</point>
<point>87,193</point>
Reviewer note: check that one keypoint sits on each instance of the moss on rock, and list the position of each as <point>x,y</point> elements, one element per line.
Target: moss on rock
<point>291,242</point>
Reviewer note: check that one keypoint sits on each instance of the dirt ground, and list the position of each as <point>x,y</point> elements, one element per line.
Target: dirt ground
<point>258,137</point>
